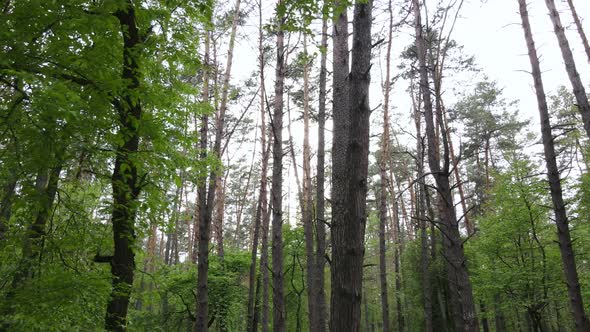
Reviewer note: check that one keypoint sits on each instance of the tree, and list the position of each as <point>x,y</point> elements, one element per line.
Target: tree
<point>553,176</point>
<point>350,163</point>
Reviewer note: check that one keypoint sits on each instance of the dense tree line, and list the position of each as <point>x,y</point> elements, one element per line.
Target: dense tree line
<point>146,185</point>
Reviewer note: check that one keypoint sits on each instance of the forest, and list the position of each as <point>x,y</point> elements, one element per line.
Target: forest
<point>294,165</point>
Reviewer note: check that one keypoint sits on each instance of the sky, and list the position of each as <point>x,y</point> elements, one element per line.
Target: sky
<point>489,30</point>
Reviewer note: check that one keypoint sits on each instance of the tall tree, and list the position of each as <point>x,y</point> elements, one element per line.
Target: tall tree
<point>459,283</point>
<point>579,27</point>
<point>384,155</point>
<point>320,260</point>
<point>570,65</point>
<point>278,296</point>
<point>561,219</point>
<point>125,181</point>
<point>350,150</point>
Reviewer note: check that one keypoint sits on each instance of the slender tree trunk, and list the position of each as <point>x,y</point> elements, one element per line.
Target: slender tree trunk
<point>570,65</point>
<point>278,298</point>
<point>421,215</point>
<point>320,260</point>
<point>350,164</point>
<point>125,180</point>
<point>579,28</point>
<point>6,206</point>
<point>307,206</point>
<point>218,219</point>
<point>261,209</point>
<point>206,213</point>
<point>561,219</point>
<point>465,315</point>
<point>265,270</point>
<point>383,185</point>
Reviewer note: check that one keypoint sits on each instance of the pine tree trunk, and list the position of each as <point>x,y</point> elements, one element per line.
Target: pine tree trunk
<point>261,209</point>
<point>320,260</point>
<point>383,185</point>
<point>561,219</point>
<point>461,293</point>
<point>579,28</point>
<point>278,298</point>
<point>421,215</point>
<point>350,163</point>
<point>570,65</point>
<point>125,180</point>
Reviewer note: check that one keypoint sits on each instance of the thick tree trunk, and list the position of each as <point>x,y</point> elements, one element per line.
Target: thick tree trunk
<point>278,298</point>
<point>350,163</point>
<point>461,293</point>
<point>570,65</point>
<point>561,219</point>
<point>320,297</point>
<point>125,180</point>
<point>579,28</point>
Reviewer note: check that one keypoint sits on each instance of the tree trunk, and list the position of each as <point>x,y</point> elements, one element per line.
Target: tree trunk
<point>278,298</point>
<point>464,308</point>
<point>320,260</point>
<point>265,269</point>
<point>421,215</point>
<point>307,206</point>
<point>383,176</point>
<point>570,65</point>
<point>561,219</point>
<point>202,316</point>
<point>350,163</point>
<point>125,180</point>
<point>6,206</point>
<point>261,209</point>
<point>579,28</point>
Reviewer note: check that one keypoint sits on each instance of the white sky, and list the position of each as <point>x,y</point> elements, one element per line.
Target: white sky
<point>490,31</point>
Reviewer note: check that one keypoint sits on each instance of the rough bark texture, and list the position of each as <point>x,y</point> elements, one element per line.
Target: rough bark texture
<point>561,219</point>
<point>125,180</point>
<point>278,298</point>
<point>579,28</point>
<point>461,294</point>
<point>570,65</point>
<point>350,162</point>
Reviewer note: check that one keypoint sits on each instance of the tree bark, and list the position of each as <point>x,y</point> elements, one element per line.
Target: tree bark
<point>320,260</point>
<point>570,65</point>
<point>561,219</point>
<point>206,214</point>
<point>261,209</point>
<point>6,206</point>
<point>579,28</point>
<point>125,181</point>
<point>383,185</point>
<point>278,298</point>
<point>461,293</point>
<point>350,163</point>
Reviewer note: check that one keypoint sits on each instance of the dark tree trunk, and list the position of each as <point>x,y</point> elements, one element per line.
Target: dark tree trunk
<point>461,293</point>
<point>125,180</point>
<point>265,270</point>
<point>570,66</point>
<point>6,206</point>
<point>278,298</point>
<point>561,219</point>
<point>320,295</point>
<point>261,208</point>
<point>350,162</point>
<point>579,28</point>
